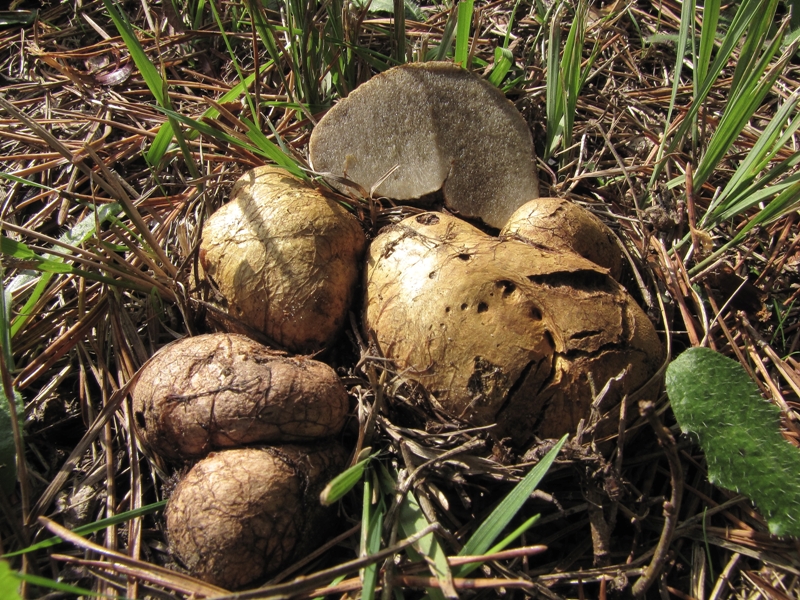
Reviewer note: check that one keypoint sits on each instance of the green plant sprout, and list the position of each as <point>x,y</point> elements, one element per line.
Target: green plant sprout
<point>716,402</point>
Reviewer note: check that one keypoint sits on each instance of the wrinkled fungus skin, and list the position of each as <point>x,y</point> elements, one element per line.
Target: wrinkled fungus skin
<point>499,330</point>
<point>285,258</point>
<point>222,390</point>
<point>242,514</point>
<point>562,226</point>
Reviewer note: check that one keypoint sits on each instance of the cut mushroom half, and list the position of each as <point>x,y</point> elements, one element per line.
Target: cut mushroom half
<point>430,126</point>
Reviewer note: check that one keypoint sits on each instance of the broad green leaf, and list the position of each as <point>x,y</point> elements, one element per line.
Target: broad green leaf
<point>714,400</point>
<point>9,584</point>
<point>495,523</point>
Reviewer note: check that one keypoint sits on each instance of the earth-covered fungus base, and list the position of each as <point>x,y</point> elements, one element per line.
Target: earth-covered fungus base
<point>240,514</point>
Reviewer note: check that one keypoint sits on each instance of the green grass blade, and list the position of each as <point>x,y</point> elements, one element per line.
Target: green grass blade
<point>786,201</point>
<point>554,90</point>
<point>503,57</point>
<point>90,528</point>
<point>684,33</point>
<point>153,79</point>
<point>737,115</point>
<point>571,69</point>
<point>511,537</point>
<point>441,52</point>
<point>58,586</point>
<point>753,196</point>
<point>155,83</point>
<point>748,59</point>
<point>21,252</point>
<point>495,523</point>
<point>763,151</point>
<point>8,450</point>
<point>269,150</point>
<point>412,520</point>
<point>371,528</point>
<point>708,34</point>
<point>343,482</point>
<point>503,61</point>
<point>747,11</point>
<point>158,147</point>
<point>465,10</point>
<point>266,33</point>
<point>28,182</point>
<point>235,92</point>
<point>399,14</point>
<point>78,234</point>
<point>5,321</point>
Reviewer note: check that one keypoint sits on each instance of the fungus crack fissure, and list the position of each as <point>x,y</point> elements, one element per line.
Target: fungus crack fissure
<point>520,382</point>
<point>486,380</point>
<point>611,346</point>
<point>585,281</point>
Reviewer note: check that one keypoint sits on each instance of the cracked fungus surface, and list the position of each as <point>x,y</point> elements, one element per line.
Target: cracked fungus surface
<point>285,258</point>
<point>502,331</point>
<point>223,390</point>
<point>241,514</point>
<point>432,126</point>
<point>560,225</point>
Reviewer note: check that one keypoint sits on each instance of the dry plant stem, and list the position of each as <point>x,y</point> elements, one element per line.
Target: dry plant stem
<point>19,444</point>
<point>303,584</point>
<point>416,581</point>
<point>60,346</point>
<point>318,552</point>
<point>135,525</point>
<point>72,460</point>
<point>675,289</point>
<point>671,508</point>
<point>724,580</point>
<point>791,376</point>
<point>148,572</point>
<point>133,213</point>
<point>691,207</point>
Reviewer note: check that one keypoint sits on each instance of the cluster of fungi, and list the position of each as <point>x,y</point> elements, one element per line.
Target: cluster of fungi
<point>515,328</point>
